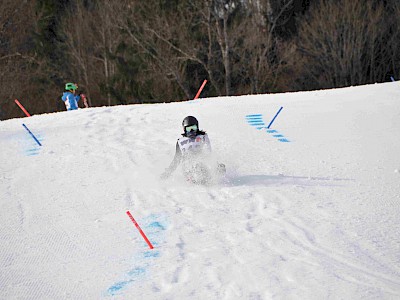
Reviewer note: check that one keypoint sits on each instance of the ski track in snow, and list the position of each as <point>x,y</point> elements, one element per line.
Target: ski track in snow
<point>301,220</point>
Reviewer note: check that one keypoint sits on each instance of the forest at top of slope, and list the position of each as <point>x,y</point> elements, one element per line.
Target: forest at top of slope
<point>133,51</point>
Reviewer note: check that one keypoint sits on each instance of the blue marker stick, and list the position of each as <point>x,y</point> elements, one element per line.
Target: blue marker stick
<point>32,135</point>
<point>391,77</point>
<point>274,117</point>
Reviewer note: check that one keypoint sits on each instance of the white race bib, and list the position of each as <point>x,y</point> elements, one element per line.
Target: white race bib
<point>197,145</point>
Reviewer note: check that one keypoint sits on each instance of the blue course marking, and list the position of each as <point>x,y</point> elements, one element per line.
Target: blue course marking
<point>152,253</point>
<point>32,135</point>
<point>118,286</point>
<point>31,146</point>
<point>32,152</point>
<point>280,137</point>
<point>137,271</point>
<point>256,120</point>
<point>254,115</point>
<point>157,225</point>
<point>272,121</point>
<point>154,225</point>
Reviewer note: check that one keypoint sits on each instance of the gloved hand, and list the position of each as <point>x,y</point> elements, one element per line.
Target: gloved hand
<point>83,96</point>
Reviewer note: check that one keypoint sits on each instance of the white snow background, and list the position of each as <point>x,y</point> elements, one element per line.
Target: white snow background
<point>317,217</point>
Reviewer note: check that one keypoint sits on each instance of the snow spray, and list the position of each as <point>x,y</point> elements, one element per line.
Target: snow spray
<point>32,135</point>
<point>140,230</point>
<point>21,107</point>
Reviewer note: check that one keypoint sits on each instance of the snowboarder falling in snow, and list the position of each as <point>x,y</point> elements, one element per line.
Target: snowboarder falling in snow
<point>70,99</point>
<point>192,150</point>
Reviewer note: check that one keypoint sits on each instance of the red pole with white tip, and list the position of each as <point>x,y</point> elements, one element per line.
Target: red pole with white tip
<point>200,89</point>
<point>21,107</point>
<point>140,230</point>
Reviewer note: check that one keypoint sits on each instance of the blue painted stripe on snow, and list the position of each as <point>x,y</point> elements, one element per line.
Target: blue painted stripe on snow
<point>113,290</point>
<point>255,115</point>
<point>31,147</point>
<point>137,271</point>
<point>152,253</point>
<point>254,119</point>
<point>32,152</point>
<point>154,226</point>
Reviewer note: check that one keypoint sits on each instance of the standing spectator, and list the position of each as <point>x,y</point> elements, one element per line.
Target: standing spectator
<point>71,99</point>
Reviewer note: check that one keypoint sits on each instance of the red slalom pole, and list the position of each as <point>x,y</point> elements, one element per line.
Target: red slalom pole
<point>140,230</point>
<point>200,89</point>
<point>21,107</point>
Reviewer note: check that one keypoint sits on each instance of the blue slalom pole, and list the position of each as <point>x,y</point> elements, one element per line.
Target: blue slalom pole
<point>275,117</point>
<point>32,135</point>
<point>391,77</point>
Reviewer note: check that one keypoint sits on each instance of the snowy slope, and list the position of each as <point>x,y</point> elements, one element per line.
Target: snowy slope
<point>317,217</point>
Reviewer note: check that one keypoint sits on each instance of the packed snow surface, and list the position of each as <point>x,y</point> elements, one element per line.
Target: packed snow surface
<point>310,208</point>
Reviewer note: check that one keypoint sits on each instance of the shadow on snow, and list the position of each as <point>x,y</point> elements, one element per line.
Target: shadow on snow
<point>304,181</point>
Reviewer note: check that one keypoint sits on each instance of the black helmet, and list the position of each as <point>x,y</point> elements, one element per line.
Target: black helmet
<point>190,121</point>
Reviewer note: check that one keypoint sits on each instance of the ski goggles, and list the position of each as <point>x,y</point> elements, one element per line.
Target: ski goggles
<point>191,128</point>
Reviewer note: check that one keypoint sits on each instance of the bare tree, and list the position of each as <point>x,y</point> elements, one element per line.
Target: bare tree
<point>393,22</point>
<point>108,38</point>
<point>342,47</point>
<point>207,24</point>
<point>234,35</point>
<point>18,62</point>
<point>278,12</point>
<point>163,38</point>
<point>258,55</point>
<point>89,44</point>
<point>222,13</point>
